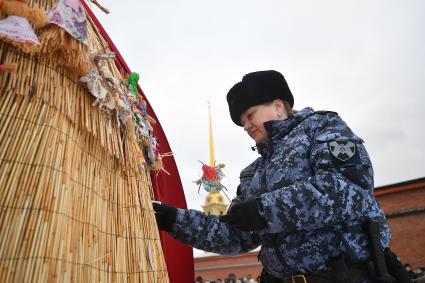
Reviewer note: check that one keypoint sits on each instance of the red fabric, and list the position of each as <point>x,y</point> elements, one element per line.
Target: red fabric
<point>178,257</point>
<point>209,173</point>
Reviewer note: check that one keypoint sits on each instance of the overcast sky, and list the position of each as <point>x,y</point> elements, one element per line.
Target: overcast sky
<point>362,59</point>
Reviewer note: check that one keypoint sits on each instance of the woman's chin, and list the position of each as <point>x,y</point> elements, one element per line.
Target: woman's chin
<point>257,137</point>
<point>259,140</point>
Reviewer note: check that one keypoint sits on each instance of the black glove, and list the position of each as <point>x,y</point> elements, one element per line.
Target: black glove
<point>165,215</point>
<point>244,216</point>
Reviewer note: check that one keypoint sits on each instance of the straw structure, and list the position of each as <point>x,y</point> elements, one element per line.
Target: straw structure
<point>75,204</point>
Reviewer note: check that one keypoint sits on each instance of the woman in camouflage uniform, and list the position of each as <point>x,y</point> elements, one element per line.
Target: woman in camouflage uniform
<point>304,200</point>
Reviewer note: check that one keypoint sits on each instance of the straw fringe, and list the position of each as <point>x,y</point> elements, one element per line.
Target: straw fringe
<point>57,43</point>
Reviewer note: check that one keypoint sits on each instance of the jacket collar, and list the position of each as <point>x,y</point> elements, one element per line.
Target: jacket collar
<point>278,129</point>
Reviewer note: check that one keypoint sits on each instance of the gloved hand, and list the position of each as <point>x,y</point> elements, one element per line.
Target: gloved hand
<point>244,216</point>
<point>165,215</point>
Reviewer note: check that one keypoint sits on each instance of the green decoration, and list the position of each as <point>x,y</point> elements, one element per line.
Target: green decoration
<point>132,80</point>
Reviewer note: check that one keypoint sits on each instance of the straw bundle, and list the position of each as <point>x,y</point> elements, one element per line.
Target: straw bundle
<point>75,202</point>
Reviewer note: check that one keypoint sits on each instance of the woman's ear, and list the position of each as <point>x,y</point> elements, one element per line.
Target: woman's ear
<point>280,108</point>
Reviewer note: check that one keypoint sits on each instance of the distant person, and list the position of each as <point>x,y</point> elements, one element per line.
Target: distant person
<point>420,275</point>
<point>199,279</point>
<point>304,200</point>
<point>409,270</point>
<point>232,278</point>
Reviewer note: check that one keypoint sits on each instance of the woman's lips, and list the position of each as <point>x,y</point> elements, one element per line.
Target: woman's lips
<point>251,133</point>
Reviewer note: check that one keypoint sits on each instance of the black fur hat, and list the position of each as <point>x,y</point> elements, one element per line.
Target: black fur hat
<point>257,88</point>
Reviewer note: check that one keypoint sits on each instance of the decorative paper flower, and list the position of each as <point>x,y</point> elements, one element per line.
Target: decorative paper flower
<point>211,178</point>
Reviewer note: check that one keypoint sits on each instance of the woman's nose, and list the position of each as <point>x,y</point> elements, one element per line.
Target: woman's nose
<point>246,126</point>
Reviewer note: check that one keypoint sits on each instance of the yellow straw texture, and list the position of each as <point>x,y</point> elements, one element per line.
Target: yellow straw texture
<point>75,205</point>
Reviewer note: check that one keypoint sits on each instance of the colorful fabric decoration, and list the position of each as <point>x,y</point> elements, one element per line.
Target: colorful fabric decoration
<point>138,116</point>
<point>65,37</point>
<point>94,84</point>
<point>132,80</point>
<point>20,8</point>
<point>18,31</point>
<point>101,61</point>
<point>103,89</point>
<point>70,16</point>
<point>142,108</point>
<point>138,107</point>
<point>124,110</point>
<point>145,129</point>
<point>211,178</point>
<point>152,151</point>
<point>139,153</point>
<point>102,84</point>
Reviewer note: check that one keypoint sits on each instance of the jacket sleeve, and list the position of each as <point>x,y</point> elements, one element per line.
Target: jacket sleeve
<point>206,232</point>
<point>336,191</point>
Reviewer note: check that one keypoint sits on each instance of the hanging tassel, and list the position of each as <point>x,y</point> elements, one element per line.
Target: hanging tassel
<point>158,166</point>
<point>151,120</point>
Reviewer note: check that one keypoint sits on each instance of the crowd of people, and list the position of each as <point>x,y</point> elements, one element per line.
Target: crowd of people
<point>417,275</point>
<point>231,278</point>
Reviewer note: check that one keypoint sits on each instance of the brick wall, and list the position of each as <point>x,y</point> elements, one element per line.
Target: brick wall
<point>217,266</point>
<point>404,205</point>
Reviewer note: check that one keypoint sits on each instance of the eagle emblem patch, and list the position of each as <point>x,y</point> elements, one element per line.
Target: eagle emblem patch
<point>342,150</point>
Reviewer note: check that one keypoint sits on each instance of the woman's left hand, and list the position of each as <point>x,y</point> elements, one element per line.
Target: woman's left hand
<point>244,216</point>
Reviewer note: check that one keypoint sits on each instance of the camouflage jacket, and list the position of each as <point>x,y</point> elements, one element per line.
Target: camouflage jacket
<point>314,185</point>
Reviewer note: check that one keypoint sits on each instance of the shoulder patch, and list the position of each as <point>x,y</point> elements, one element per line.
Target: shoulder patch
<point>342,150</point>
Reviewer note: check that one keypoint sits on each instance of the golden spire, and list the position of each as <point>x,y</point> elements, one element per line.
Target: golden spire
<point>212,158</point>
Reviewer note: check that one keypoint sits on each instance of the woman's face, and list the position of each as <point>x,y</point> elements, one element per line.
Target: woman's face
<point>254,117</point>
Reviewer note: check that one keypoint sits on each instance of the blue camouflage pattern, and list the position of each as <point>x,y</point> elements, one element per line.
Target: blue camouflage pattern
<point>314,204</point>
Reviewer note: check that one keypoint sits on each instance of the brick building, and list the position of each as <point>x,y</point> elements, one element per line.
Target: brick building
<point>212,266</point>
<point>404,206</point>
